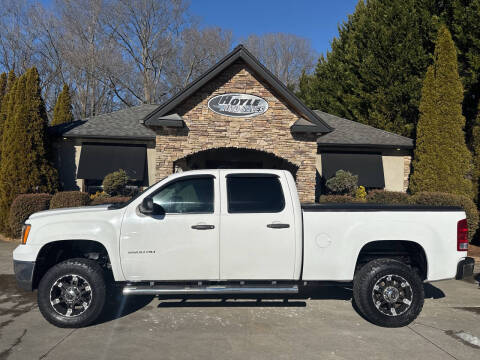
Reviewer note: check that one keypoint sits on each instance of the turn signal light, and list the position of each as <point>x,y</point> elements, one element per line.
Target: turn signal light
<point>25,232</point>
<point>462,235</point>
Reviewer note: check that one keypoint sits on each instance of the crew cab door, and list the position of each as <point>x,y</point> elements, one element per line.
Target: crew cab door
<point>257,235</point>
<point>181,244</point>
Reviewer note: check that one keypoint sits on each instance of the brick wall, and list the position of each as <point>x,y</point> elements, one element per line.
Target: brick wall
<point>269,132</point>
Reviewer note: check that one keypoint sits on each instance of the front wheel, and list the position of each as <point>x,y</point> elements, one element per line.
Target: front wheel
<point>72,293</point>
<point>388,293</point>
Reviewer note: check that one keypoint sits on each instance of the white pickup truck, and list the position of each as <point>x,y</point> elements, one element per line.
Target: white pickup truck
<point>238,232</point>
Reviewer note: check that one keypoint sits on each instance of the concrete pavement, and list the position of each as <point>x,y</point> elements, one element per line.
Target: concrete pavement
<point>320,324</point>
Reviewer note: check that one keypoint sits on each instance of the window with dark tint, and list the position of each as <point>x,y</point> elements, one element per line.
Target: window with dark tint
<point>193,195</point>
<point>254,194</point>
<point>368,167</point>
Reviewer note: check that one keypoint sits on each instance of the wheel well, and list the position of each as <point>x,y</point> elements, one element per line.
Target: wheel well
<point>58,251</point>
<point>407,252</point>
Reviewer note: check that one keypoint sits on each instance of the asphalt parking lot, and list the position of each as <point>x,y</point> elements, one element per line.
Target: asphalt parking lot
<point>320,324</point>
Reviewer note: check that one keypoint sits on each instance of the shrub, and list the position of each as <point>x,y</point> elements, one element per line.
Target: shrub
<point>69,199</point>
<point>339,199</point>
<point>388,197</point>
<point>98,194</point>
<point>445,199</point>
<point>343,183</point>
<point>23,206</point>
<point>115,183</point>
<point>361,193</point>
<point>109,200</point>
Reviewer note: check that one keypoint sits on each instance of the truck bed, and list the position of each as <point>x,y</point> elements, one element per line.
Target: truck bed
<point>374,207</point>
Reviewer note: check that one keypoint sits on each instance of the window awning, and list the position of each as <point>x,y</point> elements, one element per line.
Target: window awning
<point>98,160</point>
<point>368,167</point>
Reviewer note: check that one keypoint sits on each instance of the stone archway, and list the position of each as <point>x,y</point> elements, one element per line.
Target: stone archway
<point>233,158</point>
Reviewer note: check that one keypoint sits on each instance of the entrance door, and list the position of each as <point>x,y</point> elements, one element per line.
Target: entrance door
<point>257,235</point>
<point>182,244</point>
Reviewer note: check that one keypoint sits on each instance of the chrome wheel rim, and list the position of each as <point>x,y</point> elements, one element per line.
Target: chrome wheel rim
<point>71,295</point>
<point>392,295</point>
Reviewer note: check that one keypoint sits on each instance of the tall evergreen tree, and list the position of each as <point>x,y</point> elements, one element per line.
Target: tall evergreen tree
<point>62,112</point>
<point>374,71</point>
<point>442,161</point>
<point>3,87</point>
<point>476,157</point>
<point>25,165</point>
<point>6,83</point>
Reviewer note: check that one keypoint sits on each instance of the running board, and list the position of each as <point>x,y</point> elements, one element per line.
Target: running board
<point>210,290</point>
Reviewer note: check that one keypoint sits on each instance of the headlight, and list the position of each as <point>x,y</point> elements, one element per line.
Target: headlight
<point>25,231</point>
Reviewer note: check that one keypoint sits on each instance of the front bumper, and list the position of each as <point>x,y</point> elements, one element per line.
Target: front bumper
<point>24,274</point>
<point>465,268</point>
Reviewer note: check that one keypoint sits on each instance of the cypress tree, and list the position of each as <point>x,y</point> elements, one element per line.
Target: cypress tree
<point>442,161</point>
<point>3,88</point>
<point>6,83</point>
<point>25,165</point>
<point>476,157</point>
<point>62,112</point>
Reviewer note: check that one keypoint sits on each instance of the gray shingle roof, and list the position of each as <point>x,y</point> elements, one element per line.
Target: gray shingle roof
<point>352,133</point>
<point>126,124</point>
<point>122,124</point>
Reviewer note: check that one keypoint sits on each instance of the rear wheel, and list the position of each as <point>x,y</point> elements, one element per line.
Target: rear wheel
<point>72,293</point>
<point>388,293</point>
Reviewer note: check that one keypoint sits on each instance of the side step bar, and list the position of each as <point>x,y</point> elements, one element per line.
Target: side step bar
<point>210,290</point>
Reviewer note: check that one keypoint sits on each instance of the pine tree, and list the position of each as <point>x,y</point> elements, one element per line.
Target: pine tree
<point>62,112</point>
<point>442,161</point>
<point>25,165</point>
<point>374,71</point>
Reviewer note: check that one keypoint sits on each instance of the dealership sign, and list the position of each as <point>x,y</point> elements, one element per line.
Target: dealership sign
<point>238,105</point>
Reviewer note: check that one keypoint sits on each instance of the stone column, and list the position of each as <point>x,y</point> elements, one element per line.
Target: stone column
<point>306,182</point>
<point>407,162</point>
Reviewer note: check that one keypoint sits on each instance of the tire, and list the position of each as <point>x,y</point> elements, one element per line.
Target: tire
<point>72,293</point>
<point>388,293</point>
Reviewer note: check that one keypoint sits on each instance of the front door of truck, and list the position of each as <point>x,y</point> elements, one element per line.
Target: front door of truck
<point>257,230</point>
<point>182,244</point>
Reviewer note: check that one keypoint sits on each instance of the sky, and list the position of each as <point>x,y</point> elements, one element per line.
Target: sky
<point>316,20</point>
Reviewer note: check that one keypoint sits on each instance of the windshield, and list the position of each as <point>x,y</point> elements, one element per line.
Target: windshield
<point>115,206</point>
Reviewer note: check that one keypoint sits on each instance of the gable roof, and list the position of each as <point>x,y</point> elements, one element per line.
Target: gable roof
<point>350,133</point>
<point>240,52</point>
<point>121,124</point>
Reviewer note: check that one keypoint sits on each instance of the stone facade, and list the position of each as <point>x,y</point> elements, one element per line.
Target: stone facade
<point>268,132</point>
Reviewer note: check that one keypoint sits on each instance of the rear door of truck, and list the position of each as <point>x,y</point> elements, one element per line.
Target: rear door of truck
<point>257,228</point>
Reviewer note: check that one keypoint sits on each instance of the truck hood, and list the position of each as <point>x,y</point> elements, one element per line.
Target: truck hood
<point>73,210</point>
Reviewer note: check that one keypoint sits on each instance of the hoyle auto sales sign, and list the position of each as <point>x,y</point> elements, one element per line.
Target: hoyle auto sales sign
<point>238,105</point>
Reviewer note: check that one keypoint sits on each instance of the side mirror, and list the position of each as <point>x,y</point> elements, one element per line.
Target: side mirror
<point>148,207</point>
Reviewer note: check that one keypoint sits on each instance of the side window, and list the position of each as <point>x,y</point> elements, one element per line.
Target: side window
<point>254,194</point>
<point>194,195</point>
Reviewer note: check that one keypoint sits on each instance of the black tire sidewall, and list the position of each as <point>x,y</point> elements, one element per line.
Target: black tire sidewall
<point>90,271</point>
<point>367,278</point>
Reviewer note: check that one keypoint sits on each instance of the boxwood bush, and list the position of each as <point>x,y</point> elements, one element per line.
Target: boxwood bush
<point>339,199</point>
<point>388,197</point>
<point>109,200</point>
<point>445,199</point>
<point>23,206</point>
<point>65,199</point>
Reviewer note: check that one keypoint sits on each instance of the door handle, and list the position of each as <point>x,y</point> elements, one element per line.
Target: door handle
<point>278,226</point>
<point>203,227</point>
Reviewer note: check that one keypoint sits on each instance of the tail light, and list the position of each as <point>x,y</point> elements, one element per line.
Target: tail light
<point>462,235</point>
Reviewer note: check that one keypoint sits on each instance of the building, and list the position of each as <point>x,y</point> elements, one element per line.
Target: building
<point>236,115</point>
